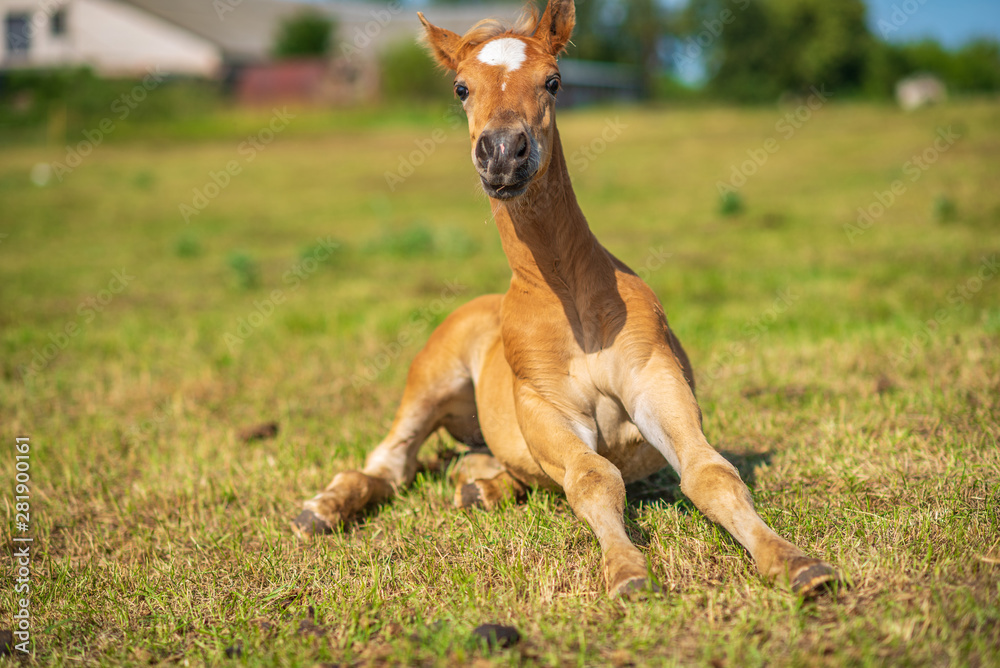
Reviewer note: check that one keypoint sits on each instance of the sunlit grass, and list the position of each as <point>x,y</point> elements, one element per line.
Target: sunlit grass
<point>853,378</point>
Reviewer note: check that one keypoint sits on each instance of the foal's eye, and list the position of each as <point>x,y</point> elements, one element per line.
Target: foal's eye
<point>462,92</point>
<point>553,85</point>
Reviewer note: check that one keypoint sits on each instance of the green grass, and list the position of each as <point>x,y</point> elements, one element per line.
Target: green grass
<point>867,436</point>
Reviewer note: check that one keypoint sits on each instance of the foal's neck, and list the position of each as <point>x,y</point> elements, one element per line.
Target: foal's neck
<point>546,237</point>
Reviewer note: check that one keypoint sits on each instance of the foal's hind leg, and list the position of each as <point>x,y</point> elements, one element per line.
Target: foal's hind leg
<point>432,391</point>
<point>480,480</point>
<point>439,393</point>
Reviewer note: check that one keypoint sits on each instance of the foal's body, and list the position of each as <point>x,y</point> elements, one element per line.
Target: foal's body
<point>571,378</point>
<point>568,346</point>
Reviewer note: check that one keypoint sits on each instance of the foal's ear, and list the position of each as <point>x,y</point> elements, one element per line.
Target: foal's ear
<point>444,44</point>
<point>556,25</point>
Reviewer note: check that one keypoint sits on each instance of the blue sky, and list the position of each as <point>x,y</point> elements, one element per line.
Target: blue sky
<point>952,22</point>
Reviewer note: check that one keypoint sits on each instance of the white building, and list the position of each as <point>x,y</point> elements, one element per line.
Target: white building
<point>197,37</point>
<point>113,37</point>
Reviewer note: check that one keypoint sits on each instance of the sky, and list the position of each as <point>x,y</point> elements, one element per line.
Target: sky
<point>952,22</point>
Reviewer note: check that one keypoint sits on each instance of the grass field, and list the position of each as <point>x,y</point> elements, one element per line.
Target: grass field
<point>851,371</point>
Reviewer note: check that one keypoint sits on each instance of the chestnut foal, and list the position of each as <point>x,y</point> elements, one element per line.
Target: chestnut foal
<point>572,378</point>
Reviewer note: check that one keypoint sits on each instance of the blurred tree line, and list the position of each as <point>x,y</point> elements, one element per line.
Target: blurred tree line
<point>308,33</point>
<point>745,51</point>
<point>757,50</point>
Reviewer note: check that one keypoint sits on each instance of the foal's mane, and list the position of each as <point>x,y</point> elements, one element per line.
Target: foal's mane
<point>487,29</point>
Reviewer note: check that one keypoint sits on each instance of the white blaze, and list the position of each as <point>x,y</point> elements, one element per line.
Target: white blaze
<point>507,52</point>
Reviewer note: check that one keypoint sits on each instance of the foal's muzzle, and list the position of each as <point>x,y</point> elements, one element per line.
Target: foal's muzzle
<point>507,160</point>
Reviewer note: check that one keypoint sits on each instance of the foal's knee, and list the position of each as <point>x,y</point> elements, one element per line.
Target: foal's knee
<point>713,486</point>
<point>353,490</point>
<point>592,478</point>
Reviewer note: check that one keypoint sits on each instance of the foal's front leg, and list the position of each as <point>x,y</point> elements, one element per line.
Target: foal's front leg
<point>594,486</point>
<point>663,407</point>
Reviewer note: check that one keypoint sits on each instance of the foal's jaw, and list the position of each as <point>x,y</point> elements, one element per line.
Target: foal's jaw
<point>505,192</point>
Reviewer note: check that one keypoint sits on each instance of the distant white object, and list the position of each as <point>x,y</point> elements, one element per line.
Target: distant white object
<point>41,173</point>
<point>920,90</point>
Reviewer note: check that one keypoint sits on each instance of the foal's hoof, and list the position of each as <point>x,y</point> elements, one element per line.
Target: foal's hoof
<point>814,579</point>
<point>470,496</point>
<point>635,588</point>
<point>309,524</point>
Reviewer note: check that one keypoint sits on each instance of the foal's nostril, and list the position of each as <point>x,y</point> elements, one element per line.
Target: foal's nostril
<point>503,151</point>
<point>484,150</point>
<point>522,147</point>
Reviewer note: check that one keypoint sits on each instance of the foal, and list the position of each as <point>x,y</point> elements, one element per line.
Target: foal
<point>572,378</point>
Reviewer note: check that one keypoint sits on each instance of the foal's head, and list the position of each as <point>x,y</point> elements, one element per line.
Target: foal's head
<point>507,80</point>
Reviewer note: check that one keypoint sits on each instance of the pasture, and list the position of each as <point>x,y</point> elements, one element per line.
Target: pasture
<point>850,370</point>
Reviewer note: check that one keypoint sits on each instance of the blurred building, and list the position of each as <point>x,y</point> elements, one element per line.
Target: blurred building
<point>226,39</point>
<point>114,38</point>
<point>589,82</point>
<point>920,90</point>
<point>232,40</point>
